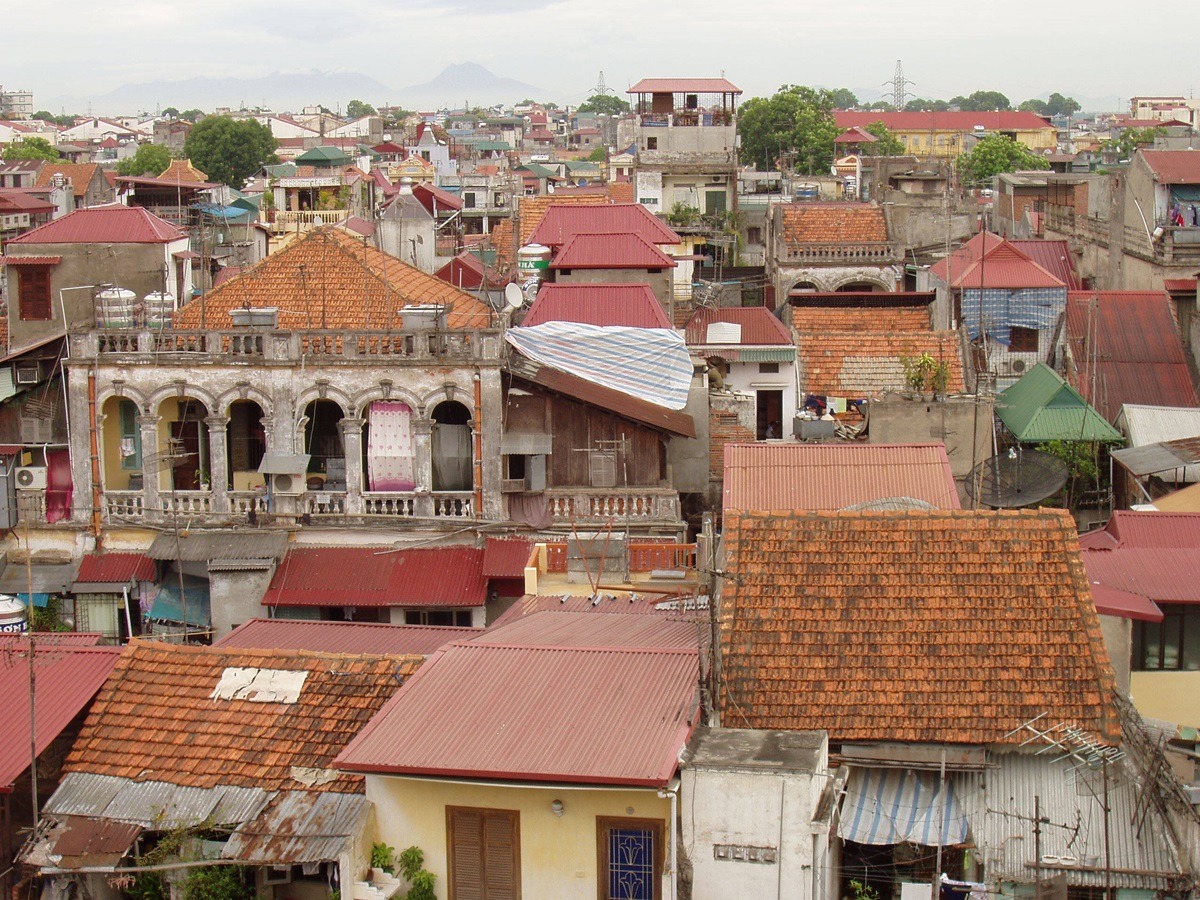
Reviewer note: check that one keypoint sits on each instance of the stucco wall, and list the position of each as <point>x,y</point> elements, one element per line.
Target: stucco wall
<point>236,597</point>
<point>1117,637</point>
<point>963,424</point>
<point>1170,696</point>
<point>558,853</point>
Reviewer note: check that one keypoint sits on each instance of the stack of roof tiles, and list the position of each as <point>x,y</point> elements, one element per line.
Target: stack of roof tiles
<point>943,626</point>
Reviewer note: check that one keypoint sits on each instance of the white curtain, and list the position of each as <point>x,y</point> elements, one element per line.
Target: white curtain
<point>451,457</point>
<point>390,447</point>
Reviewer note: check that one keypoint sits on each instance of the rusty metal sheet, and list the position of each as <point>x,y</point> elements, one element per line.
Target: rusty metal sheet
<point>299,827</point>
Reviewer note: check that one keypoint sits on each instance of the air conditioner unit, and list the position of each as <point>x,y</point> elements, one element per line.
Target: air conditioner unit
<point>288,485</point>
<point>31,478</point>
<point>27,373</point>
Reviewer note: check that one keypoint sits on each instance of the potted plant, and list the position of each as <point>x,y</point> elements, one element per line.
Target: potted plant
<point>939,380</point>
<point>381,861</point>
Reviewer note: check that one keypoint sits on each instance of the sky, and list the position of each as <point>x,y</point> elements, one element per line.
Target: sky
<point>947,48</point>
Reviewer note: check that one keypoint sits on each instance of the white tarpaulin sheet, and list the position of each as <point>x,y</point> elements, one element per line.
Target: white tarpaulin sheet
<point>889,806</point>
<point>648,363</point>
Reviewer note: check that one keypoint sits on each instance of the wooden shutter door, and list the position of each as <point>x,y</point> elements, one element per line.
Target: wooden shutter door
<point>466,854</point>
<point>484,854</point>
<point>501,862</point>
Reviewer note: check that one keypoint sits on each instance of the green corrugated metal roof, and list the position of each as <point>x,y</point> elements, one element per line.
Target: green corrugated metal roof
<point>535,169</point>
<point>1041,406</point>
<point>324,156</point>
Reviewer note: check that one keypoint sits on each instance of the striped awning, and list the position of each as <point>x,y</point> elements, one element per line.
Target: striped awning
<point>887,806</point>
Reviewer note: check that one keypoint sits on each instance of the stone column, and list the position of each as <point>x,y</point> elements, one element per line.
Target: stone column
<point>422,430</point>
<point>352,447</point>
<point>218,462</point>
<point>154,460</point>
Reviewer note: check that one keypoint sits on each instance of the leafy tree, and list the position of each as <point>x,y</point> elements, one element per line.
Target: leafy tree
<point>879,106</point>
<point>994,154</point>
<point>1058,105</point>
<point>1034,105</point>
<point>981,101</point>
<point>230,150</point>
<point>217,883</point>
<point>922,104</point>
<point>1131,139</point>
<point>597,155</point>
<point>191,115</point>
<point>61,121</point>
<point>795,122</point>
<point>887,145</point>
<point>171,112</point>
<point>150,159</point>
<point>356,109</point>
<point>31,148</point>
<point>606,104</point>
<point>843,98</point>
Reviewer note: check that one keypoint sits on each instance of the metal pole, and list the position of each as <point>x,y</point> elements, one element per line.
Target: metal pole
<point>1037,847</point>
<point>937,869</point>
<point>33,785</point>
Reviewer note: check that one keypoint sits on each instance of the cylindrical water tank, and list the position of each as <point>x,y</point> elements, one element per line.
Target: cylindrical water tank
<point>533,259</point>
<point>115,308</point>
<point>808,191</point>
<point>159,308</point>
<point>12,615</point>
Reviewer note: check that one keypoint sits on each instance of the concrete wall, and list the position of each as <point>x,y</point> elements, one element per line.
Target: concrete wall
<point>964,424</point>
<point>1170,696</point>
<point>688,457</point>
<point>1118,635</point>
<point>236,597</point>
<point>772,810</point>
<point>660,282</point>
<point>744,378</point>
<point>558,853</point>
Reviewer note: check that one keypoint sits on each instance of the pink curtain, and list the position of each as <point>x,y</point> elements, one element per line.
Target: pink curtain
<point>59,488</point>
<point>390,447</point>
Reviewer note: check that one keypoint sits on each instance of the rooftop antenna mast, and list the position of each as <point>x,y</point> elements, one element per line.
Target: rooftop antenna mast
<point>899,83</point>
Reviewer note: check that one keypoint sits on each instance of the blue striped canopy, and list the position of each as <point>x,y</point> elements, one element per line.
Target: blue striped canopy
<point>887,806</point>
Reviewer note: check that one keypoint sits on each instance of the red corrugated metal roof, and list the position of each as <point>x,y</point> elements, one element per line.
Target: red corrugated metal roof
<point>622,404</point>
<point>610,251</point>
<point>562,220</point>
<point>942,121</point>
<point>68,677</point>
<point>114,568</point>
<point>17,199</point>
<point>684,86</point>
<point>1174,166</point>
<point>555,628</point>
<point>590,715</point>
<point>609,603</point>
<point>1124,604</point>
<point>632,305</point>
<point>112,224</point>
<point>1155,554</point>
<point>9,260</point>
<point>430,194</point>
<point>379,576</point>
<point>1054,257</point>
<point>811,477</point>
<point>506,557</point>
<point>1126,349</point>
<point>759,326</point>
<point>342,637</point>
<point>1180,284</point>
<point>964,256</point>
<point>1004,266</point>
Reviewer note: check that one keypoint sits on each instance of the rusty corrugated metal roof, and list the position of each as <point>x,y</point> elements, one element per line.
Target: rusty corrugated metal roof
<point>201,546</point>
<point>684,86</point>
<point>114,568</point>
<point>557,714</point>
<point>341,637</point>
<point>610,251</point>
<point>299,827</point>
<point>506,557</point>
<point>78,841</point>
<point>622,404</point>
<point>552,628</point>
<point>111,224</point>
<point>810,477</point>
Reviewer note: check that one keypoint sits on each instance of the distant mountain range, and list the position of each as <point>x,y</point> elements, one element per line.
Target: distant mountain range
<point>454,86</point>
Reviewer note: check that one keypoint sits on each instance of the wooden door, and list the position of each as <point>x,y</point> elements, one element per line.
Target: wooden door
<point>485,853</point>
<point>185,438</point>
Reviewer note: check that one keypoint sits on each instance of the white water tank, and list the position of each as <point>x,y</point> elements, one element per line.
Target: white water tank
<point>115,308</point>
<point>159,307</point>
<point>12,615</point>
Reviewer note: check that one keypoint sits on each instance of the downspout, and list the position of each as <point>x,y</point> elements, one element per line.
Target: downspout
<point>478,445</point>
<point>672,794</point>
<point>95,451</point>
<point>128,615</point>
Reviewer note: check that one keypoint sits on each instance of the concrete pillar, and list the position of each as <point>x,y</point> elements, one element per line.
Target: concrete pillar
<point>352,447</point>
<point>218,461</point>
<point>153,461</point>
<point>422,430</point>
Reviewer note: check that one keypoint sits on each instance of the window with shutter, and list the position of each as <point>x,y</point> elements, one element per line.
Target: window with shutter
<point>131,436</point>
<point>485,853</point>
<point>33,292</point>
<point>630,864</point>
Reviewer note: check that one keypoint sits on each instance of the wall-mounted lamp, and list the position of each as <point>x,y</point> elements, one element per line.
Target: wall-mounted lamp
<point>556,807</point>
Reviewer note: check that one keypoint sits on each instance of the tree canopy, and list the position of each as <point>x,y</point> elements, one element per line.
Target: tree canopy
<point>1131,139</point>
<point>994,154</point>
<point>192,115</point>
<point>356,109</point>
<point>61,121</point>
<point>230,150</point>
<point>982,101</point>
<point>843,98</point>
<point>794,123</point>
<point>887,145</point>
<point>607,104</point>
<point>150,159</point>
<point>31,148</point>
<point>1057,105</point>
<point>921,104</point>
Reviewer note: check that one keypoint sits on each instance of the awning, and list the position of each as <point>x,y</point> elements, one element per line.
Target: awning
<point>47,579</point>
<point>886,806</point>
<point>1124,604</point>
<point>284,464</point>
<point>168,608</point>
<point>81,842</point>
<point>1165,456</point>
<point>30,260</point>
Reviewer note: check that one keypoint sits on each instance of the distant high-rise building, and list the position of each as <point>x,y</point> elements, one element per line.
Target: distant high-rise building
<point>16,104</point>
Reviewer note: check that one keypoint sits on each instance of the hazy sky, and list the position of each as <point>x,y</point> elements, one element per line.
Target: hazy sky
<point>1103,49</point>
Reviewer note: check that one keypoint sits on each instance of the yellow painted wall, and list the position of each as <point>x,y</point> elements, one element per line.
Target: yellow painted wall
<point>949,143</point>
<point>1171,696</point>
<point>558,854</point>
<point>113,476</point>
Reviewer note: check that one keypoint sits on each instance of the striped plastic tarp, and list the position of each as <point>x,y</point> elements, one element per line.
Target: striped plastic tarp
<point>885,806</point>
<point>648,363</point>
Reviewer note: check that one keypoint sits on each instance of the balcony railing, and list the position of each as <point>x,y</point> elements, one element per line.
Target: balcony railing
<point>189,348</point>
<point>186,503</point>
<point>595,506</point>
<point>123,505</point>
<point>799,254</point>
<point>643,557</point>
<point>306,219</point>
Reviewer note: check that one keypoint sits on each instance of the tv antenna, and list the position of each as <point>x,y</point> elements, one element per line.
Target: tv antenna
<point>1072,741</point>
<point>899,83</point>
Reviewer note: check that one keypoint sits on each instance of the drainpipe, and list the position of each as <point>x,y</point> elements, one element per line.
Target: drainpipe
<point>478,473</point>
<point>672,794</point>
<point>95,451</point>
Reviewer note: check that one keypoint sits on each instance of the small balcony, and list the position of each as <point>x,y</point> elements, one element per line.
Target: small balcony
<point>630,507</point>
<point>836,254</point>
<point>302,220</point>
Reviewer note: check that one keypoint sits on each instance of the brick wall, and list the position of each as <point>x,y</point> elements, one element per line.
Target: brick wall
<point>730,418</point>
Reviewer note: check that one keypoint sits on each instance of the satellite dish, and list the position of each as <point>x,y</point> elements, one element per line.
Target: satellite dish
<point>513,296</point>
<point>1017,478</point>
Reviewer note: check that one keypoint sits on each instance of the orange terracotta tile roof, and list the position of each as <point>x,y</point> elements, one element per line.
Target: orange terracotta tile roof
<point>331,279</point>
<point>183,171</point>
<point>937,626</point>
<point>858,352</point>
<point>79,174</point>
<point>833,223</point>
<point>156,719</point>
<point>621,191</point>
